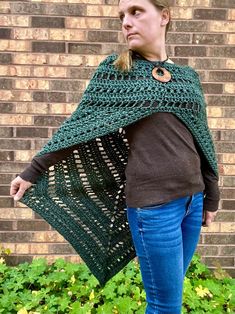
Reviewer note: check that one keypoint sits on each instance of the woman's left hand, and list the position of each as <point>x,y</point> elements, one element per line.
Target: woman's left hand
<point>208,218</point>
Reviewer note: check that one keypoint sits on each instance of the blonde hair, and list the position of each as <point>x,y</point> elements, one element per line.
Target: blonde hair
<point>124,60</point>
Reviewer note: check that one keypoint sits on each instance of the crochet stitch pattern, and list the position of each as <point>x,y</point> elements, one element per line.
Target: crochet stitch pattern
<point>82,196</point>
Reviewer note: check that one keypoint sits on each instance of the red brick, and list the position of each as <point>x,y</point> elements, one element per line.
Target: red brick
<point>225,215</point>
<point>185,51</point>
<point>48,47</point>
<point>49,120</point>
<point>111,24</point>
<point>223,4</point>
<point>6,132</point>
<point>31,132</point>
<point>203,63</point>
<point>229,181</point>
<point>8,156</point>
<point>49,8</point>
<point>6,178</point>
<point>190,26</point>
<point>61,248</point>
<point>228,135</point>
<point>219,239</point>
<point>102,36</point>
<point>209,39</point>
<point>15,260</point>
<point>7,108</point>
<point>222,76</point>
<point>173,38</point>
<point>223,261</point>
<point>49,97</point>
<point>48,22</point>
<point>5,33</point>
<point>207,250</point>
<point>32,225</point>
<point>228,194</point>
<point>5,58</point>
<point>5,83</point>
<point>6,225</point>
<point>227,204</point>
<point>210,14</point>
<point>179,60</point>
<point>84,48</point>
<point>227,250</point>
<point>212,88</point>
<point>221,52</point>
<point>74,97</point>
<point>68,85</point>
<point>229,113</point>
<point>6,202</point>
<point>81,73</point>
<point>223,100</point>
<point>14,144</point>
<point>7,167</point>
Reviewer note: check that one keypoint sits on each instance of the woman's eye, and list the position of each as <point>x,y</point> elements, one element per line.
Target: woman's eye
<point>136,12</point>
<point>121,17</point>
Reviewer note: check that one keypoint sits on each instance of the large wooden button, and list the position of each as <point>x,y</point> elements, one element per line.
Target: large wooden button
<point>162,78</point>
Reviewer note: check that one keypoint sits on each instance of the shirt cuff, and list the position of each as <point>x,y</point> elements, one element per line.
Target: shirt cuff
<point>210,205</point>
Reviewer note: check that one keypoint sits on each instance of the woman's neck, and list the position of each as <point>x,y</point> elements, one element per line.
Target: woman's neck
<point>156,55</point>
<point>152,57</point>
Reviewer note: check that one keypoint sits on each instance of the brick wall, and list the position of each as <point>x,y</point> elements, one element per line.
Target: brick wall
<point>48,51</point>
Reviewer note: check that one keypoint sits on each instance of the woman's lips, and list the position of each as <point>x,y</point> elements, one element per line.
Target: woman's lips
<point>131,34</point>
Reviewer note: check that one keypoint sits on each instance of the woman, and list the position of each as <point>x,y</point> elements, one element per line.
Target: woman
<point>171,174</point>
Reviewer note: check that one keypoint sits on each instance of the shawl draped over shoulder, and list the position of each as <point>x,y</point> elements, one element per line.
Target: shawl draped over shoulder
<point>82,196</point>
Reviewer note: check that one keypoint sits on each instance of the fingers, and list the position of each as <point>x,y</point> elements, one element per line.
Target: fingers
<point>208,218</point>
<point>19,194</point>
<point>18,188</point>
<point>14,187</point>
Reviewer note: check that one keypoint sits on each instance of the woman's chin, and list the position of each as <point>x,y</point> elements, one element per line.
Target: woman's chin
<point>134,47</point>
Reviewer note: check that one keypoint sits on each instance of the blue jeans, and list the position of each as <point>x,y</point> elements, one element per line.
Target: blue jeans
<point>165,237</point>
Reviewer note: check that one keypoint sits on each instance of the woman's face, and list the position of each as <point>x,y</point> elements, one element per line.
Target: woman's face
<point>143,25</point>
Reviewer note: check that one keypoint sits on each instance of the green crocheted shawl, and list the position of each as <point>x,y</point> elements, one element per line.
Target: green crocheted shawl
<point>82,196</point>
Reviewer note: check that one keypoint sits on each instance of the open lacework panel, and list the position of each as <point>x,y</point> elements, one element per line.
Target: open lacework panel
<point>85,202</point>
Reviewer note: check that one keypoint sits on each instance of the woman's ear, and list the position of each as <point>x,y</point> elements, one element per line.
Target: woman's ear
<point>165,16</point>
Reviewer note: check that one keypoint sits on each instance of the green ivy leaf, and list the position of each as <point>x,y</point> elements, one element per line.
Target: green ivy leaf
<point>105,308</point>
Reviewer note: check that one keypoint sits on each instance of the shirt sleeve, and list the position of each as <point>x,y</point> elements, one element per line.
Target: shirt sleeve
<point>211,192</point>
<point>39,164</point>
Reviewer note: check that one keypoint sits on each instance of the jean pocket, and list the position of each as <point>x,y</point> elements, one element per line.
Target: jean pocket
<point>154,206</point>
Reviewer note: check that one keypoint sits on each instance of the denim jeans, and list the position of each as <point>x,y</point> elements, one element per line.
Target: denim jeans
<point>165,237</point>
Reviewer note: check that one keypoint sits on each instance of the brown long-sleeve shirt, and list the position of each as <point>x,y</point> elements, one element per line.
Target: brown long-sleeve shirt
<point>163,164</point>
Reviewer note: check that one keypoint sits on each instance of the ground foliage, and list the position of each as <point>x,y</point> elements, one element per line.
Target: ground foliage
<point>63,287</point>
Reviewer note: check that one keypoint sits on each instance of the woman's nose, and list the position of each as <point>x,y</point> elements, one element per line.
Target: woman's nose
<point>126,22</point>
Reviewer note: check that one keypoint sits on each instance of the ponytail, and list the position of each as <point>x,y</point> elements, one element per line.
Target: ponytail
<point>124,61</point>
